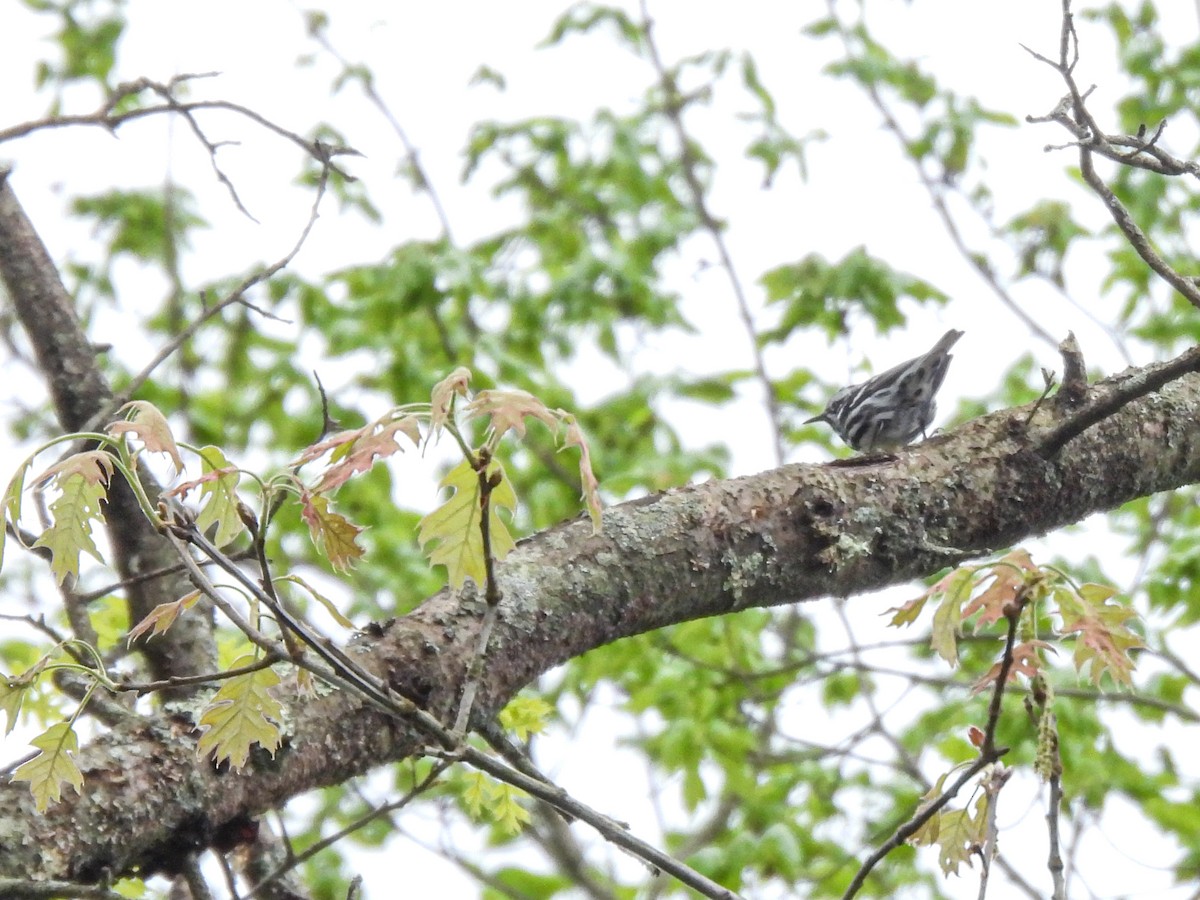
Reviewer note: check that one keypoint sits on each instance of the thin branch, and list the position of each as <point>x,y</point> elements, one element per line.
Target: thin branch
<point>992,786</point>
<point>109,120</point>
<point>1055,861</point>
<point>20,889</point>
<point>988,754</point>
<point>689,163</point>
<point>1072,113</point>
<point>361,822</point>
<point>237,295</point>
<point>1115,394</point>
<point>935,188</point>
<point>146,687</point>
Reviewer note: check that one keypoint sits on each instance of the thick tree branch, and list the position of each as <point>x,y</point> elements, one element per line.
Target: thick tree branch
<point>792,534</point>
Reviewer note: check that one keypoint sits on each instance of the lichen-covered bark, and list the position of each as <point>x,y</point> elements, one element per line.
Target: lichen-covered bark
<point>793,534</point>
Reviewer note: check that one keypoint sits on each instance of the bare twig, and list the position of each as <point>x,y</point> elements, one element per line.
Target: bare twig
<point>992,786</point>
<point>106,118</point>
<point>1055,861</point>
<point>936,187</point>
<point>361,822</point>
<point>1139,152</point>
<point>988,754</point>
<point>146,687</point>
<point>1112,396</point>
<point>689,164</point>
<point>20,889</point>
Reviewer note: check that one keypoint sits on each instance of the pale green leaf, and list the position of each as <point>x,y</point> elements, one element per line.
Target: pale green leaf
<point>242,713</point>
<point>53,767</point>
<point>453,528</point>
<point>219,490</point>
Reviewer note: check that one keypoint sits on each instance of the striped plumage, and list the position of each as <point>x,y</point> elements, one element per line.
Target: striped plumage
<point>891,409</point>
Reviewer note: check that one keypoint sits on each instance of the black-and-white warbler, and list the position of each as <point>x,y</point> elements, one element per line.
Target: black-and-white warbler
<point>889,410</point>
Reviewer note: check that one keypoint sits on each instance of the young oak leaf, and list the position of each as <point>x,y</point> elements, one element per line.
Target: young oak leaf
<point>591,487</point>
<point>1008,577</point>
<point>508,409</point>
<point>1104,639</point>
<point>339,443</point>
<point>524,716</point>
<point>1027,661</point>
<point>508,812</point>
<point>220,489</point>
<point>332,533</point>
<point>82,483</point>
<point>443,395</point>
<point>162,617</point>
<point>12,695</point>
<point>958,833</point>
<point>150,427</point>
<point>954,583</point>
<point>241,714</point>
<point>485,798</point>
<point>360,454</point>
<point>453,528</point>
<point>961,834</point>
<point>53,767</point>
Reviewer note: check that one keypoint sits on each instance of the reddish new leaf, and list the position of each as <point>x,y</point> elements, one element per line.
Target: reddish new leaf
<point>591,487</point>
<point>377,441</point>
<point>443,396</point>
<point>508,409</point>
<point>163,616</point>
<point>333,442</point>
<point>150,426</point>
<point>1103,639</point>
<point>1027,661</point>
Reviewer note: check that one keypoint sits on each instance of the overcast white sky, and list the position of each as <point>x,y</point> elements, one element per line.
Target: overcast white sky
<point>423,55</point>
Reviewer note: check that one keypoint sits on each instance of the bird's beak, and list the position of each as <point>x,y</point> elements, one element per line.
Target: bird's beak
<point>818,418</point>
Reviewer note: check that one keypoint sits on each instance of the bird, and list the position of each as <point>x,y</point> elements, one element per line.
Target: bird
<point>888,411</point>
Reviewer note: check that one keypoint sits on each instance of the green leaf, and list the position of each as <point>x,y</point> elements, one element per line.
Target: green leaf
<point>219,485</point>
<point>82,483</point>
<point>525,716</point>
<point>336,535</point>
<point>454,527</point>
<point>53,767</point>
<point>242,714</point>
<point>12,694</point>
